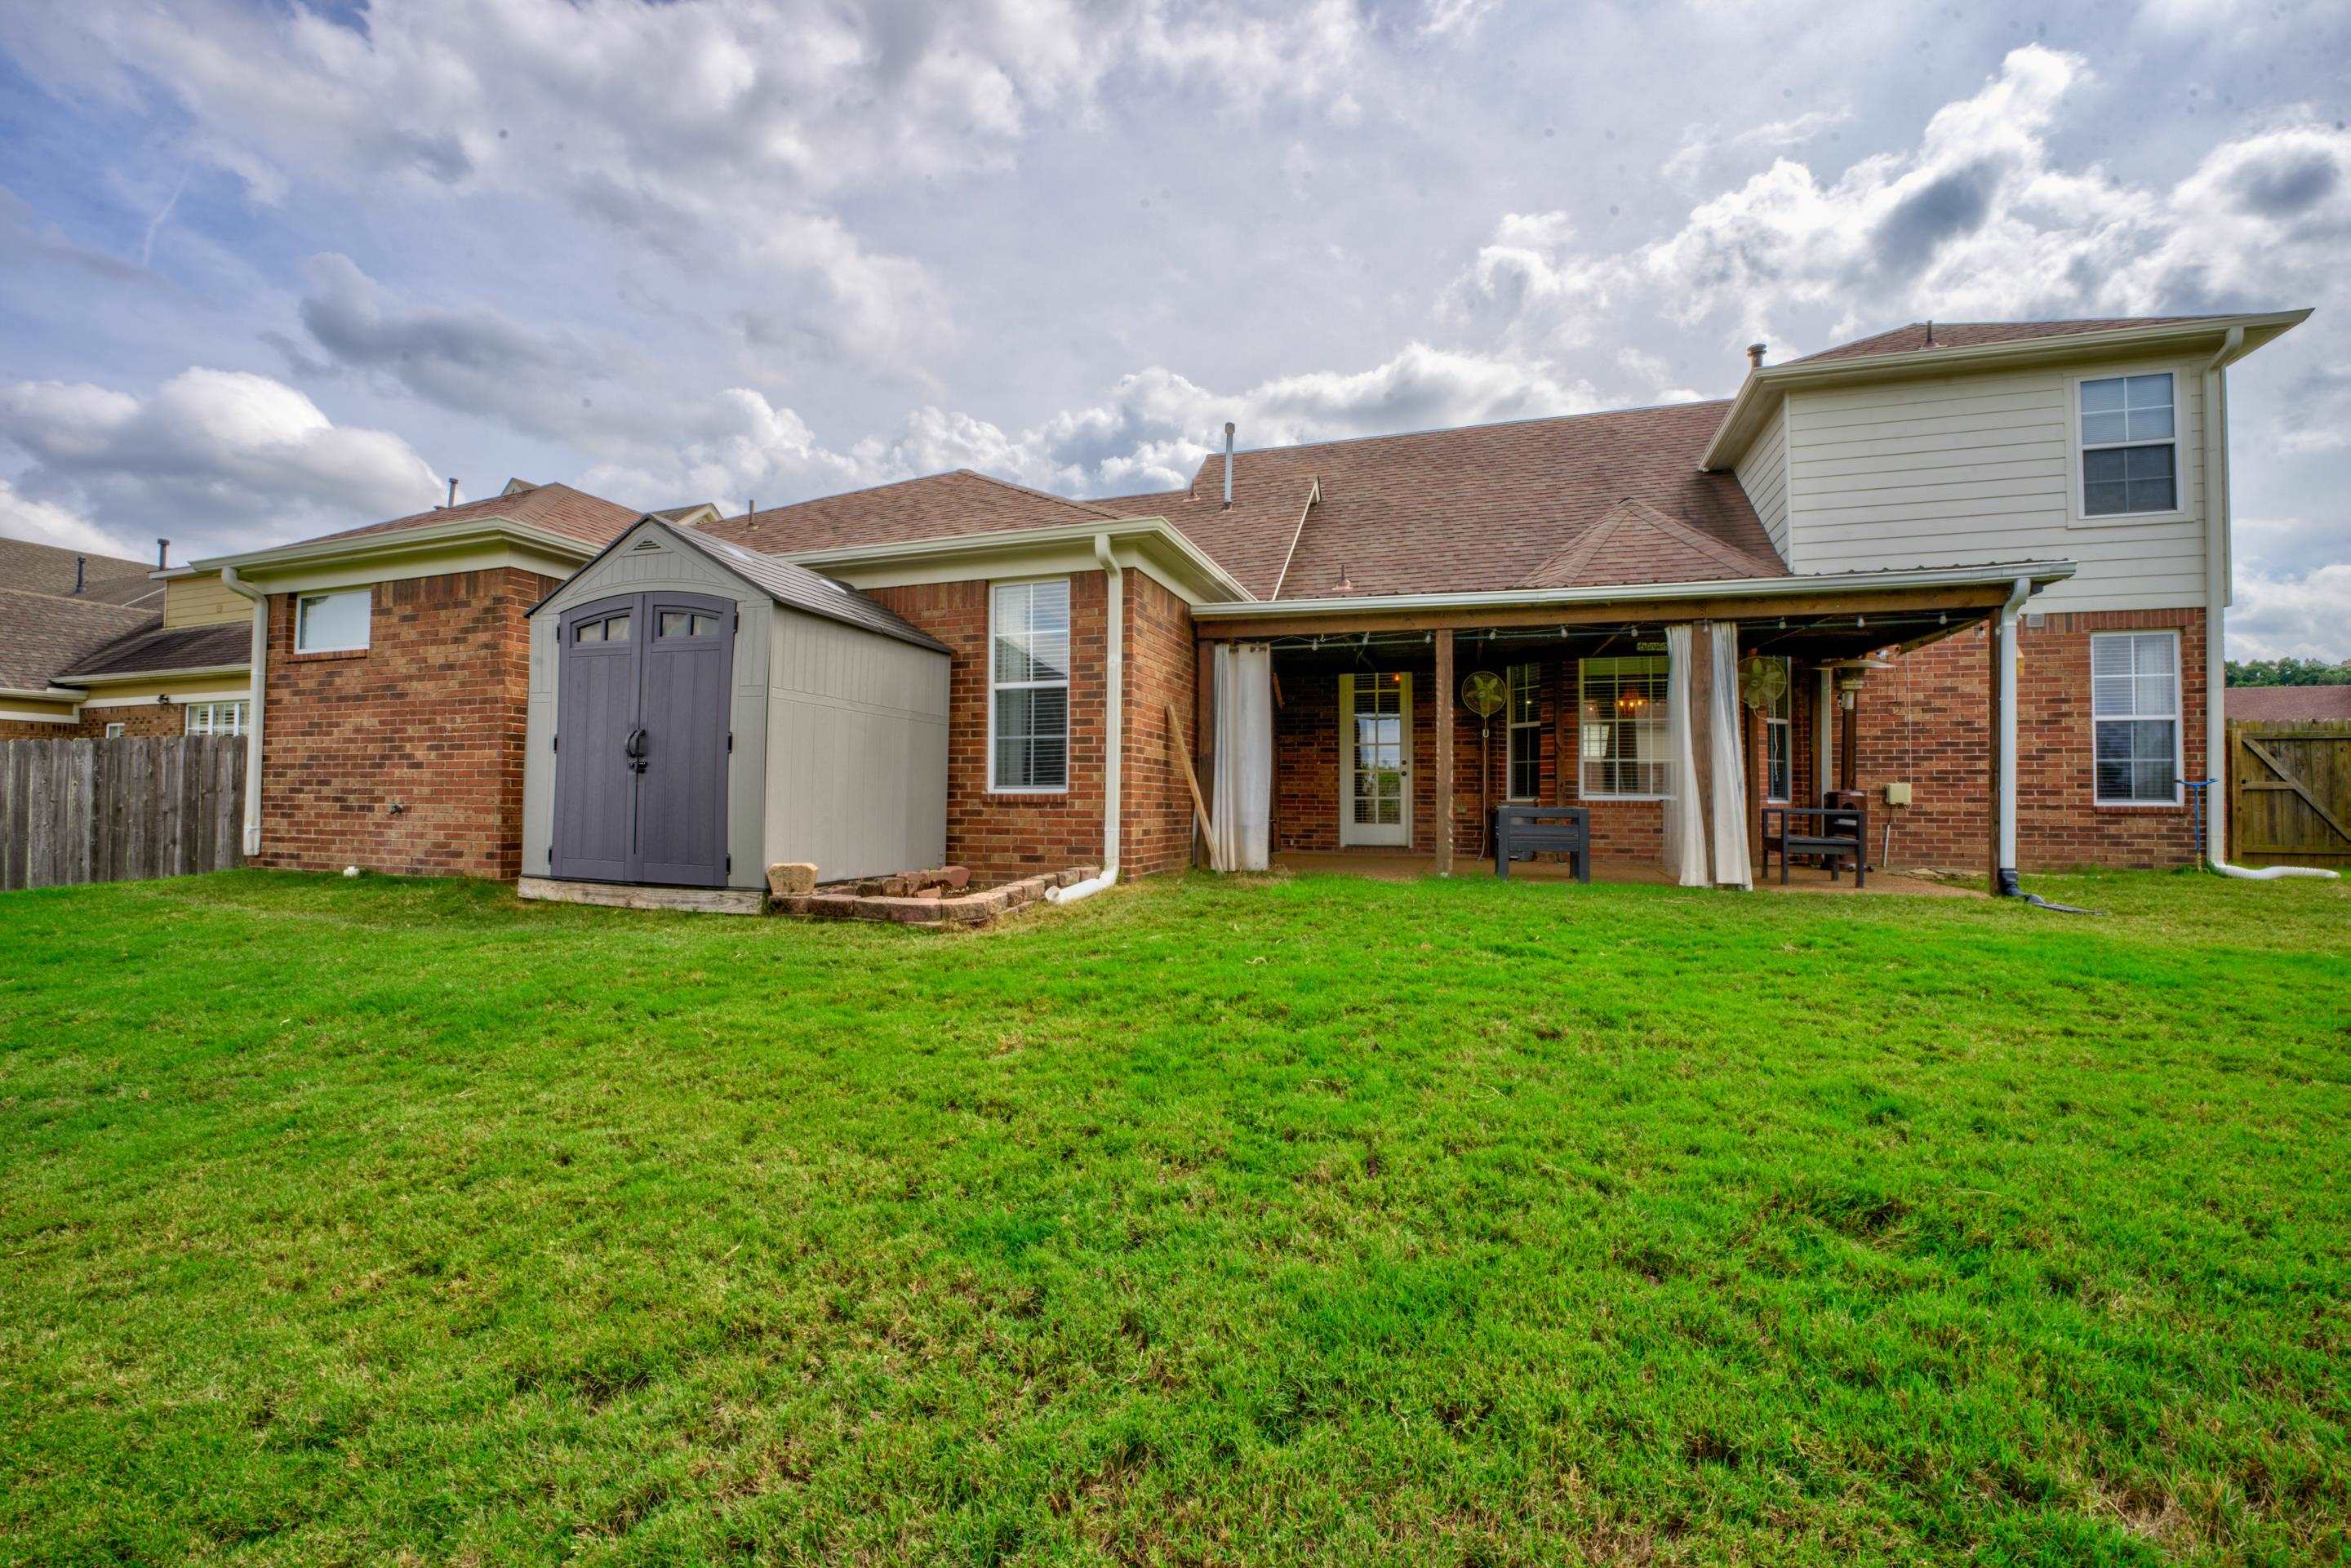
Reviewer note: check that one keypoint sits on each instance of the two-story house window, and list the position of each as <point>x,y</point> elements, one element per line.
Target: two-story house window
<point>2130,456</point>
<point>2135,716</point>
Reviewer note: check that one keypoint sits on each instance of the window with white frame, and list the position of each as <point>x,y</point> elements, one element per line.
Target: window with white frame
<point>2130,458</point>
<point>1526,732</point>
<point>1622,719</point>
<point>331,622</point>
<point>117,730</point>
<point>2134,715</point>
<point>215,718</point>
<point>1779,736</point>
<point>1028,687</point>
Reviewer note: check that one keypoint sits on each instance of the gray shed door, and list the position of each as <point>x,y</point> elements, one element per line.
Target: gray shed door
<point>640,739</point>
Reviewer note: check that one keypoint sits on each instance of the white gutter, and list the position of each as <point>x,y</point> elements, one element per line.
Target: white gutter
<point>256,692</point>
<point>2004,878</point>
<point>145,677</point>
<point>2217,584</point>
<point>1113,728</point>
<point>2041,573</point>
<point>1140,530</point>
<point>394,542</point>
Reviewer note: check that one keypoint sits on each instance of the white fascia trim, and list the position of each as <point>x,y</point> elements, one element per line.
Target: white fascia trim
<point>42,693</point>
<point>149,677</point>
<point>397,543</point>
<point>1740,421</point>
<point>2041,572</point>
<point>1149,534</point>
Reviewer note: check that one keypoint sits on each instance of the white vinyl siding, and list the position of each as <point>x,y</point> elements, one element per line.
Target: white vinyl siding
<point>1960,470</point>
<point>1028,687</point>
<point>2134,717</point>
<point>1763,474</point>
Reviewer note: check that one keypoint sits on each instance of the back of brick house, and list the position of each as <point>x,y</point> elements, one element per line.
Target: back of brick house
<point>1860,516</point>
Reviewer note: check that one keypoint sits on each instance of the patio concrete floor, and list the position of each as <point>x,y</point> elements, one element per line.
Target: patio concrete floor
<point>1399,866</point>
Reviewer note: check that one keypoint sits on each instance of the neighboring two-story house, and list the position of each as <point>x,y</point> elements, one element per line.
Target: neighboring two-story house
<point>1689,612</point>
<point>93,647</point>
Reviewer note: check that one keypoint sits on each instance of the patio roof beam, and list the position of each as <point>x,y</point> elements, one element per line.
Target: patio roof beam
<point>1981,598</point>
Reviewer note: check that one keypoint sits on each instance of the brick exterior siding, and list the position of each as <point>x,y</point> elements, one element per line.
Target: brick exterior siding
<point>1003,836</point>
<point>1155,819</point>
<point>1927,722</point>
<point>430,715</point>
<point>141,718</point>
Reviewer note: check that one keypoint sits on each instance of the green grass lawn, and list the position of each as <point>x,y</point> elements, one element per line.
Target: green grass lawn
<point>1309,1221</point>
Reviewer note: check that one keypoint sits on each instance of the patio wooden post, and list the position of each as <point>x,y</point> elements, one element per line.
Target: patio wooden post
<point>1849,742</point>
<point>1444,720</point>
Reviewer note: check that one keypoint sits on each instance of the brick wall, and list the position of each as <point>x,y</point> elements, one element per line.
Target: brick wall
<point>1306,762</point>
<point>1003,836</point>
<point>143,718</point>
<point>429,715</point>
<point>1927,721</point>
<point>1155,814</point>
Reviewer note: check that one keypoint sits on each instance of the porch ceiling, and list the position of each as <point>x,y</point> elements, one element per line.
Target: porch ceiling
<point>1812,639</point>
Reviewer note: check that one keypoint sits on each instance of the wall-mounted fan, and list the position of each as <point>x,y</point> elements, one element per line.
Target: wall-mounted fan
<point>1763,682</point>
<point>1484,693</point>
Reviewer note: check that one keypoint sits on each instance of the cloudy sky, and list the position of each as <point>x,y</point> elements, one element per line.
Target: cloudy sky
<point>269,269</point>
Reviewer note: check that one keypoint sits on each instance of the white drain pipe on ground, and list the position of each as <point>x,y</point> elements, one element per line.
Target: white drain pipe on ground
<point>2216,611</point>
<point>1113,727</point>
<point>260,685</point>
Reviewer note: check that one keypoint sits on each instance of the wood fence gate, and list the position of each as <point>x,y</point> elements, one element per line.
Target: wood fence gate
<point>119,811</point>
<point>2290,793</point>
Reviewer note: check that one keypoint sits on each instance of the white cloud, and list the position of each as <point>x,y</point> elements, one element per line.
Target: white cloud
<point>1149,431</point>
<point>221,456</point>
<point>728,130</point>
<point>46,522</point>
<point>1702,144</point>
<point>2304,616</point>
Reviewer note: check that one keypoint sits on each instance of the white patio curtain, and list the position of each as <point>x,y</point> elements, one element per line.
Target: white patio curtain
<point>1685,825</point>
<point>1730,759</point>
<point>1244,773</point>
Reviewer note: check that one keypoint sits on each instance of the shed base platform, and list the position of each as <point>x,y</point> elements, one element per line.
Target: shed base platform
<point>628,895</point>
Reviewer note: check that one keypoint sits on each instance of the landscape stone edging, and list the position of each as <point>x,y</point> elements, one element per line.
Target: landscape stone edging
<point>965,909</point>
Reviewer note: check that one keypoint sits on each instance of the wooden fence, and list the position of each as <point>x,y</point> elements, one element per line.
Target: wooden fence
<point>119,811</point>
<point>2290,793</point>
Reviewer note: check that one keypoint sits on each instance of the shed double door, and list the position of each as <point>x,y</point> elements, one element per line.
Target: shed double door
<point>640,739</point>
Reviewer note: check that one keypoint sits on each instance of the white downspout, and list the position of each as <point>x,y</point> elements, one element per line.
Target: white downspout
<point>2216,614</point>
<point>1113,727</point>
<point>2005,885</point>
<point>259,687</point>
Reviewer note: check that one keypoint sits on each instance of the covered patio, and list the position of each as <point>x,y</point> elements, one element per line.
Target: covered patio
<point>1688,724</point>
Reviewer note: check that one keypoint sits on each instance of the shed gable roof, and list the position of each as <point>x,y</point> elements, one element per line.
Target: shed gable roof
<point>794,587</point>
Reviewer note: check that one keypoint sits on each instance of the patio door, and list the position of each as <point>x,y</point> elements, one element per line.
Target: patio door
<point>1375,759</point>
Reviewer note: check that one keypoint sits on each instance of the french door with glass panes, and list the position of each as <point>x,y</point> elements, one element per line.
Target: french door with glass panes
<point>1375,759</point>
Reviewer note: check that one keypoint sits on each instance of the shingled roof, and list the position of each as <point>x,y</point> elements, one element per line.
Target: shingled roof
<point>937,506</point>
<point>1922,335</point>
<point>32,567</point>
<point>558,508</point>
<point>156,650</point>
<point>1584,499</point>
<point>43,635</point>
